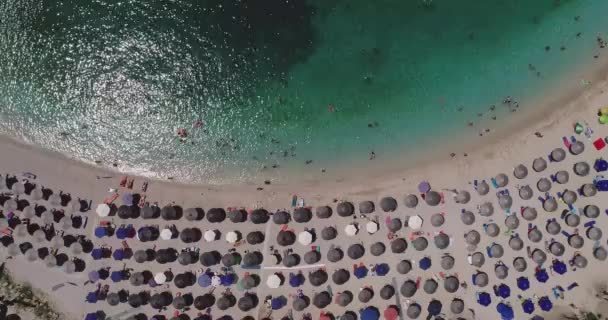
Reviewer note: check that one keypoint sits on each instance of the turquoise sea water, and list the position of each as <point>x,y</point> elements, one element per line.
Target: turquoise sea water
<point>113,81</point>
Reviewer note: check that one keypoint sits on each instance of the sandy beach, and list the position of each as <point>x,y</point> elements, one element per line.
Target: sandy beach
<point>498,153</point>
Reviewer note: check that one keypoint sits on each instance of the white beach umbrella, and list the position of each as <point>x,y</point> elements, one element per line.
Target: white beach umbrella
<point>166,234</point>
<point>20,230</point>
<point>210,235</point>
<point>415,222</point>
<point>351,230</point>
<point>28,212</point>
<point>273,281</point>
<point>216,281</point>
<point>232,237</point>
<point>160,278</point>
<point>47,217</point>
<point>371,227</point>
<point>305,238</point>
<point>103,210</point>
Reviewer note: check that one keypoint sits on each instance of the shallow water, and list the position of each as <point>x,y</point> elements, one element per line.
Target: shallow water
<point>113,81</point>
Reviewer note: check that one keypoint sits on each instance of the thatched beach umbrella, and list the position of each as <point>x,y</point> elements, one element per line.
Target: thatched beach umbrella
<point>572,220</point>
<point>539,256</point>
<point>579,261</point>
<point>335,254</point>
<point>302,215</point>
<point>324,212</point>
<point>558,154</point>
<point>481,279</point>
<point>594,233</point>
<point>526,192</point>
<point>492,229</point>
<point>441,240</point>
<point>478,259</point>
<point>577,147</point>
<point>501,271</point>
<point>413,311</point>
<point>150,212</point>
<point>535,235</point>
<point>550,205</point>
<point>529,213</point>
<point>345,209</point>
<point>377,249</point>
<point>205,301</point>
<point>355,251</point>
<point>312,257</point>
<point>252,258</point>
<point>404,266</point>
<point>512,222</point>
<point>496,250</point>
<point>501,180</point>
<point>259,216</point>
<point>520,264</point>
<point>344,298</point>
<point>463,197</point>
<point>505,201</point>
<point>451,284</point>
<point>255,237</point>
<point>432,198</point>
<point>216,215</point>
<point>543,185</point>
<point>447,262</point>
<point>230,259</point>
<point>247,302</point>
<point>281,217</point>
<point>600,253</point>
<point>399,245</point>
<point>473,237</point>
<point>394,225</point>
<point>300,303</point>
<point>562,177</point>
<point>539,164</point>
<point>408,288</point>
<point>225,302</point>
<point>467,217</point>
<point>210,258</point>
<point>340,276</point>
<point>516,243</point>
<point>588,190</point>
<point>430,286</point>
<point>286,238</point>
<point>365,295</point>
<point>569,197</point>
<point>249,282</point>
<point>411,201</point>
<point>387,292</point>
<point>437,220</point>
<point>557,249</point>
<point>483,188</point>
<point>290,260</point>
<point>591,211</point>
<point>195,214</point>
<point>321,299</point>
<point>581,169</point>
<point>329,233</point>
<point>576,241</point>
<point>366,207</point>
<point>520,171</point>
<point>388,204</point>
<point>168,212</point>
<point>486,209</point>
<point>183,301</point>
<point>237,216</point>
<point>553,227</point>
<point>457,306</point>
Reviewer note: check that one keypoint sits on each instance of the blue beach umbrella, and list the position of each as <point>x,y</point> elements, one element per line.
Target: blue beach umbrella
<point>523,283</point>
<point>559,266</point>
<point>92,297</point>
<point>127,199</point>
<point>434,307</point>
<point>425,263</point>
<point>503,291</point>
<point>101,232</point>
<point>122,233</point>
<point>97,253</point>
<point>278,303</point>
<point>484,299</point>
<point>369,313</point>
<point>91,316</point>
<point>117,276</point>
<point>93,276</point>
<point>204,280</point>
<point>118,254</point>
<point>528,306</point>
<point>545,304</point>
<point>505,311</point>
<point>296,280</point>
<point>360,272</point>
<point>542,275</point>
<point>227,279</point>
<point>382,269</point>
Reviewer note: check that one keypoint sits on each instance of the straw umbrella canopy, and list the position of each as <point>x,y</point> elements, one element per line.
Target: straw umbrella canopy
<point>404,266</point>
<point>345,209</point>
<point>594,233</point>
<point>365,295</point>
<point>501,271</point>
<point>550,205</point>
<point>579,261</point>
<point>432,198</point>
<point>481,279</point>
<point>231,258</point>
<point>335,254</point>
<point>553,227</point>
<point>411,201</point>
<point>572,220</point>
<point>302,215</point>
<point>486,209</point>
<point>190,235</point>
<point>205,301</point>
<point>344,298</point>
<point>286,238</point>
<point>463,197</point>
<point>600,253</point>
<point>377,249</point>
<point>291,260</point>
<point>420,243</point>
<point>413,311</point>
<point>535,235</point>
<point>457,306</point>
<point>321,299</point>
<point>520,171</point>
<point>408,288</point>
<point>543,185</point>
<point>520,264</point>
<point>591,211</point>
<point>430,286</point>
<point>516,243</point>
<point>340,276</point>
<point>505,201</point>
<point>473,237</point>
<point>387,292</point>
<point>324,212</point>
<point>210,258</point>
<point>300,303</point>
<point>312,257</point>
<point>259,216</point>
<point>581,169</point>
<point>398,245</point>
<point>281,217</point>
<point>539,164</point>
<point>467,217</point>
<point>237,216</point>
<point>225,302</point>
<point>394,224</point>
<point>496,250</point>
<point>478,259</point>
<point>539,256</point>
<point>255,237</point>
<point>558,154</point>
<point>447,262</point>
<point>501,180</point>
<point>247,302</point>
<point>183,301</point>
<point>355,251</point>
<point>216,215</point>
<point>329,233</point>
<point>569,197</point>
<point>317,277</point>
<point>562,177</point>
<point>557,249</point>
<point>451,284</point>
<point>492,229</point>
<point>441,240</point>
<point>437,220</point>
<point>388,204</point>
<point>187,257</point>
<point>512,222</point>
<point>529,213</point>
<point>366,207</point>
<point>483,188</point>
<point>577,147</point>
<point>589,190</point>
<point>526,192</point>
<point>169,212</point>
<point>576,241</point>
